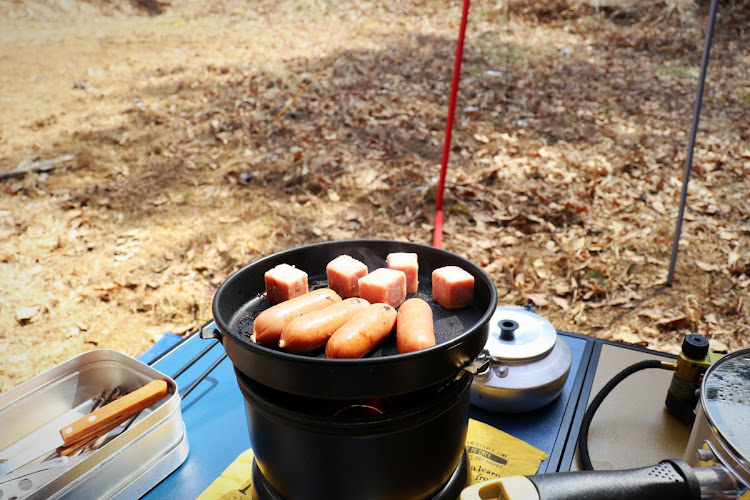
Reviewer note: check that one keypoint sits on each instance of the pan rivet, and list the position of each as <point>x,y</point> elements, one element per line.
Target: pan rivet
<point>92,418</point>
<point>500,370</point>
<point>68,430</point>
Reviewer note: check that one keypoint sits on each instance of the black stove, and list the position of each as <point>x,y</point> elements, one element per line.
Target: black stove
<point>450,490</point>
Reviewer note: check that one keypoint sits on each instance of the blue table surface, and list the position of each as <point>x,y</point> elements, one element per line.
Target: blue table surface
<point>215,420</point>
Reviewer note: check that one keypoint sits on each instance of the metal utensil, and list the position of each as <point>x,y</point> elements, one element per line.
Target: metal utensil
<point>46,434</point>
<point>25,481</point>
<point>74,434</point>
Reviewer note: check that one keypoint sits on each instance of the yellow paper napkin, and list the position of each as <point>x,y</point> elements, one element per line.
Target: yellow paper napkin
<point>494,453</point>
<point>235,482</point>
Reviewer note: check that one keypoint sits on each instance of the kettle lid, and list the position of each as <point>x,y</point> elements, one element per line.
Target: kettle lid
<point>519,334</point>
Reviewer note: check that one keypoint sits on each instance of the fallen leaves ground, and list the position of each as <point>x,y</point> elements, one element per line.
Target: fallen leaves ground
<point>564,178</point>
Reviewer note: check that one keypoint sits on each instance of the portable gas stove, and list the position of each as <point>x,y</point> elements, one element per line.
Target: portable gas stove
<point>448,491</point>
<point>623,435</point>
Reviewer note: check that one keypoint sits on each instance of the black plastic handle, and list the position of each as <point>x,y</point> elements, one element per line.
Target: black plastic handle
<point>668,480</point>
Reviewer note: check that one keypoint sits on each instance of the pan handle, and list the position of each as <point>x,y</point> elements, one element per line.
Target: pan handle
<point>478,365</point>
<point>211,331</point>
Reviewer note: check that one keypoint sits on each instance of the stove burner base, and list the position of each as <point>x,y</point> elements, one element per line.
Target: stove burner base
<point>450,491</point>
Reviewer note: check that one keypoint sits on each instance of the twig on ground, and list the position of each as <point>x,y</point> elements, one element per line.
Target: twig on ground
<point>29,165</point>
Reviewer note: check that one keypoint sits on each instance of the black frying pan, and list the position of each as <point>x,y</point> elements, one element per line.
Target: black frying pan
<point>460,334</point>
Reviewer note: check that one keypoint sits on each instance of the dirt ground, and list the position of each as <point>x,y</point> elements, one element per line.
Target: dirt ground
<point>188,139</point>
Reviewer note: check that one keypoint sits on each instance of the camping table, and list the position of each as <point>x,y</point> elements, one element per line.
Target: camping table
<point>631,428</point>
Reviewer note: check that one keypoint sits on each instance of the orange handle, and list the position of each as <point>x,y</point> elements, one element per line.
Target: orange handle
<point>119,409</point>
<point>88,438</point>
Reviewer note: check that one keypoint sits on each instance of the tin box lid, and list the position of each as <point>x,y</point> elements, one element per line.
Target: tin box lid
<point>519,334</point>
<point>726,399</point>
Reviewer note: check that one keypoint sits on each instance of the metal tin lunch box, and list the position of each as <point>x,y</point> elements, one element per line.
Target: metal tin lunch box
<point>129,465</point>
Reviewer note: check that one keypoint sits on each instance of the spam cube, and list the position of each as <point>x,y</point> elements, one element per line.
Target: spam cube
<point>452,287</point>
<point>406,262</point>
<point>383,285</point>
<point>343,274</point>
<point>285,282</point>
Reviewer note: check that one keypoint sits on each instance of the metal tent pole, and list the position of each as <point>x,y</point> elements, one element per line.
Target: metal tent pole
<point>693,133</point>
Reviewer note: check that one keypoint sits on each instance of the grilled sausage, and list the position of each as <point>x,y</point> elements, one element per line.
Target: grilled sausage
<point>269,324</point>
<point>312,330</point>
<point>363,332</point>
<point>414,327</point>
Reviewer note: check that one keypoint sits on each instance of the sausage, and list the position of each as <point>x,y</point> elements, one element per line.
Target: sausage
<point>268,325</point>
<point>414,327</point>
<point>312,330</point>
<point>363,332</point>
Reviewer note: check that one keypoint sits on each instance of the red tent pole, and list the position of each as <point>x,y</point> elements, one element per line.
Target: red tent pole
<point>437,237</point>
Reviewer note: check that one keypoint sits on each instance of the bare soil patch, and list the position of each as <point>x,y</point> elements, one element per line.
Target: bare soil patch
<point>564,179</point>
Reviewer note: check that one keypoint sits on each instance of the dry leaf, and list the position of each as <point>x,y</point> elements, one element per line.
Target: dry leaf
<point>717,345</point>
<point>628,337</point>
<point>36,270</point>
<point>658,206</point>
<point>650,313</point>
<point>541,269</point>
<point>707,267</point>
<point>508,241</point>
<point>577,312</point>
<point>562,288</point>
<point>674,323</point>
<point>732,259</point>
<point>519,280</point>
<point>365,178</point>
<point>711,318</point>
<point>25,314</point>
<point>561,302</point>
<point>229,220</point>
<point>538,299</point>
